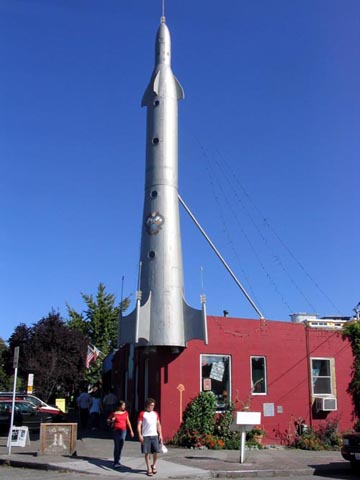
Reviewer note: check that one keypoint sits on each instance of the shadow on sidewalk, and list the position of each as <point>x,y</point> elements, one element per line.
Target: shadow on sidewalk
<point>336,470</point>
<point>108,465</point>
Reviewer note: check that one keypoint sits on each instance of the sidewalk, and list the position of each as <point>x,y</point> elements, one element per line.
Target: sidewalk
<point>94,456</point>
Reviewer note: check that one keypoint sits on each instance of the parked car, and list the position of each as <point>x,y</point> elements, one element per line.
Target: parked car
<point>39,404</point>
<point>350,449</point>
<point>25,414</point>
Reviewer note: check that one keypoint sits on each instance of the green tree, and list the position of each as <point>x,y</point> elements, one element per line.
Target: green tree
<point>351,331</point>
<point>99,323</point>
<point>53,352</point>
<point>4,378</point>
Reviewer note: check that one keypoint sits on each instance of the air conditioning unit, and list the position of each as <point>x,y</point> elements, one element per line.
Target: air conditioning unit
<point>326,404</point>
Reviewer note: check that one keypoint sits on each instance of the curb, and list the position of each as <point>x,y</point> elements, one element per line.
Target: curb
<point>255,473</point>
<point>40,466</point>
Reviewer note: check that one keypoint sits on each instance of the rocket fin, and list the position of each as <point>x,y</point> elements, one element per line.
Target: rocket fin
<point>195,323</point>
<point>143,333</point>
<point>127,329</point>
<point>154,87</point>
<point>151,90</point>
<point>135,327</point>
<point>156,83</point>
<point>179,89</point>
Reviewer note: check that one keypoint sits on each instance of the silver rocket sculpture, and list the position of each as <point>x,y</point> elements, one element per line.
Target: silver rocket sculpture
<point>162,317</point>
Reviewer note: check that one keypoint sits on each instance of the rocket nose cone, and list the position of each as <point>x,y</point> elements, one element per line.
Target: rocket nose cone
<point>163,45</point>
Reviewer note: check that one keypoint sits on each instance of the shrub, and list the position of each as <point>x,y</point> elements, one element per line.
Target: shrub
<point>223,421</point>
<point>233,442</point>
<point>308,440</point>
<point>329,435</point>
<point>200,413</point>
<point>198,421</point>
<point>326,437</point>
<point>357,426</point>
<point>202,427</point>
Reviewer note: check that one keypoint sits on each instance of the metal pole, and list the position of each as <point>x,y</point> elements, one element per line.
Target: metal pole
<point>138,300</point>
<point>220,257</point>
<point>242,443</point>
<point>16,362</point>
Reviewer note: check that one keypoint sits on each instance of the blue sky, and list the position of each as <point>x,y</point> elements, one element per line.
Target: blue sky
<point>268,151</point>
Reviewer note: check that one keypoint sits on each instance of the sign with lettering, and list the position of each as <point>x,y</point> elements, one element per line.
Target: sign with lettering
<point>19,437</point>
<point>268,410</point>
<point>58,438</point>
<point>217,371</point>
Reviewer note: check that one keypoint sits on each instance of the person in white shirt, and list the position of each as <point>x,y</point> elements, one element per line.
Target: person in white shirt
<point>150,435</point>
<point>95,411</point>
<point>110,403</point>
<point>84,401</point>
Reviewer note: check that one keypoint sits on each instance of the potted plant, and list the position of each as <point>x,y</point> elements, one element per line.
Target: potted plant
<point>256,434</point>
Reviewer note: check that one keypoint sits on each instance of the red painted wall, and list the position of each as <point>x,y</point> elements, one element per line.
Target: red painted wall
<point>175,380</point>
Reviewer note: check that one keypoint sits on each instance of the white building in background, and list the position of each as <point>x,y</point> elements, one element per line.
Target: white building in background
<point>313,320</point>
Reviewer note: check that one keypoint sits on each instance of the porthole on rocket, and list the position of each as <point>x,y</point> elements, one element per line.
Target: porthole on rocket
<point>153,223</point>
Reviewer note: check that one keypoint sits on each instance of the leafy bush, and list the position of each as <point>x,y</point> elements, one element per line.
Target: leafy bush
<point>233,442</point>
<point>198,421</point>
<point>357,426</point>
<point>351,331</point>
<point>223,422</point>
<point>329,435</point>
<point>308,440</point>
<point>326,437</point>
<point>202,427</point>
<point>200,414</point>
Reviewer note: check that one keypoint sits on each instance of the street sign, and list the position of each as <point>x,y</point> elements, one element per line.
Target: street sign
<point>16,357</point>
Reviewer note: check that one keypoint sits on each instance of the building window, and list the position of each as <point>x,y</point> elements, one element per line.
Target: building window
<point>215,377</point>
<point>258,375</point>
<point>322,376</point>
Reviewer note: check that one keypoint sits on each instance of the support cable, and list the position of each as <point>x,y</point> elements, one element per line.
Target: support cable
<point>220,257</point>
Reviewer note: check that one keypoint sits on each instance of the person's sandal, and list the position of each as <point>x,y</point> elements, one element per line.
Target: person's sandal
<point>149,474</point>
<point>154,471</point>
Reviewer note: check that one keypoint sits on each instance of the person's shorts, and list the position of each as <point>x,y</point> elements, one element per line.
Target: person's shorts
<point>150,445</point>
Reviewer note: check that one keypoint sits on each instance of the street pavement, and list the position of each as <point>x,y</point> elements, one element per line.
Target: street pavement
<point>94,452</point>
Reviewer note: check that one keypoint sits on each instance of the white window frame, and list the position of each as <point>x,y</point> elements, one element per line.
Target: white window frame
<point>331,376</point>
<point>265,375</point>
<point>216,355</point>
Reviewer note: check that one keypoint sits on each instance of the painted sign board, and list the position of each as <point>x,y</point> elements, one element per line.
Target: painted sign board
<point>58,438</point>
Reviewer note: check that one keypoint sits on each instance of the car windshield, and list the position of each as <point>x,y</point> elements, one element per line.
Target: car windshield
<point>35,401</point>
<point>25,407</point>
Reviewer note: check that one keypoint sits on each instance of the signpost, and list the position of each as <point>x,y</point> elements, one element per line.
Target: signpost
<point>15,365</point>
<point>242,422</point>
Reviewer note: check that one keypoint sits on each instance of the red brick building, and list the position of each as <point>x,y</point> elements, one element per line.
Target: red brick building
<point>291,369</point>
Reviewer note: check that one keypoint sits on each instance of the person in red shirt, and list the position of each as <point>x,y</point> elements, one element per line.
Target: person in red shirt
<point>150,435</point>
<point>119,420</point>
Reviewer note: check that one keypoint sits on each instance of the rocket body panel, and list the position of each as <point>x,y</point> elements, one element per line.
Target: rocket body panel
<point>163,318</point>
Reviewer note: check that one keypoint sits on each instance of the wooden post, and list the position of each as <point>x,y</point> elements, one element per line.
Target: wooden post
<point>181,388</point>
